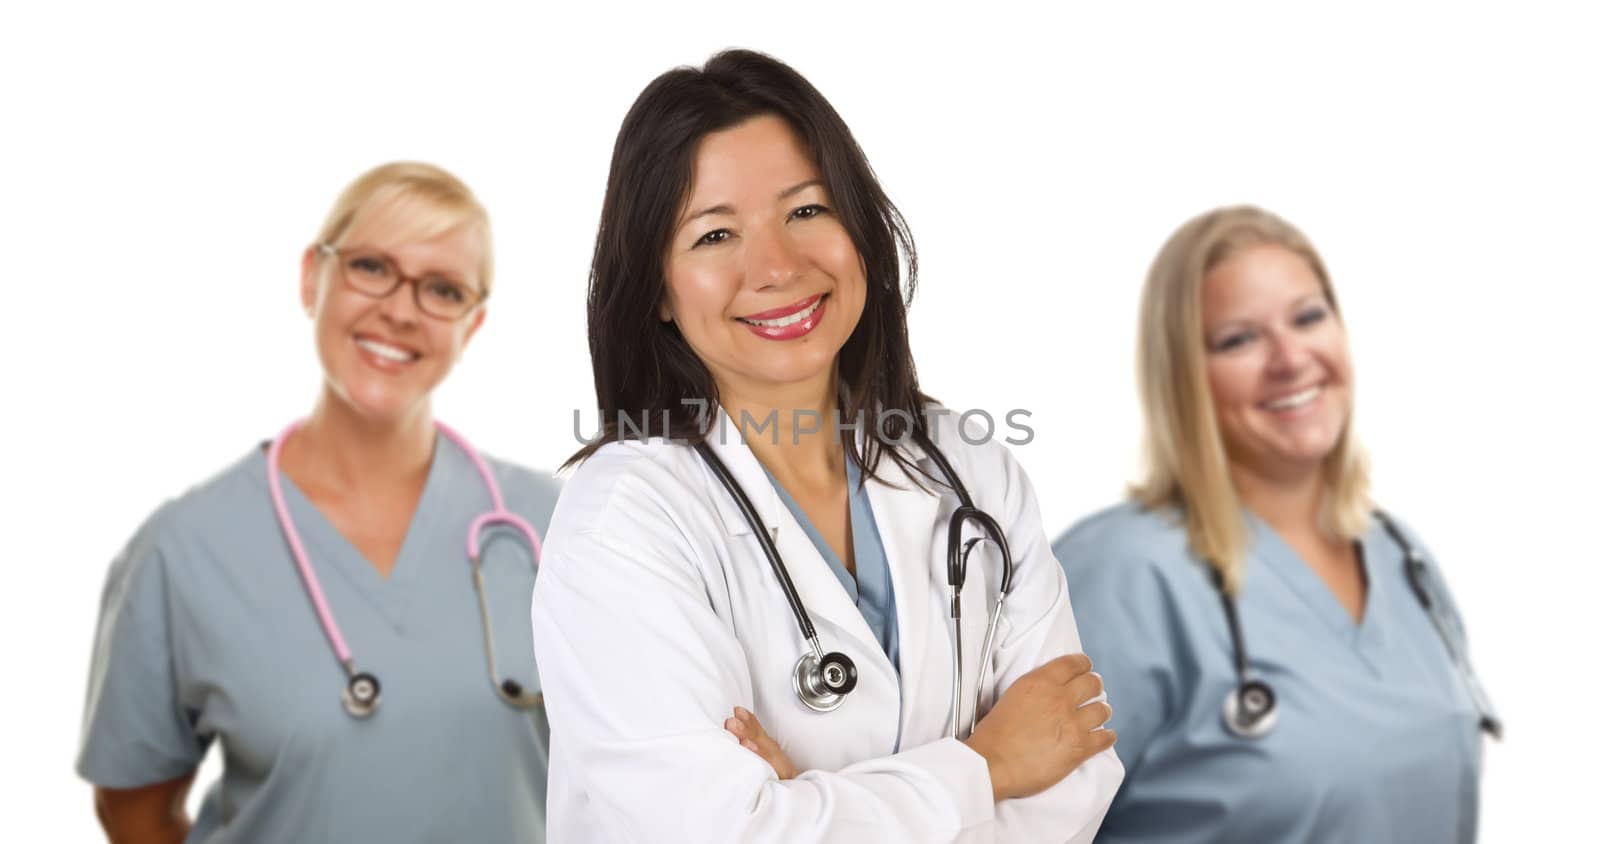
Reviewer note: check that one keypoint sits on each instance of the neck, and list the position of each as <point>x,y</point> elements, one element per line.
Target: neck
<point>797,442</point>
<point>1289,501</point>
<point>340,447</point>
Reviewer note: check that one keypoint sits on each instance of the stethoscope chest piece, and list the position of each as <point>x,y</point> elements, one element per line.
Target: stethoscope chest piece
<point>1250,710</point>
<point>822,683</point>
<point>361,694</point>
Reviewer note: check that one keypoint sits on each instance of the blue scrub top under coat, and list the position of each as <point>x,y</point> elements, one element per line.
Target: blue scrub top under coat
<point>1377,736</point>
<point>207,633</point>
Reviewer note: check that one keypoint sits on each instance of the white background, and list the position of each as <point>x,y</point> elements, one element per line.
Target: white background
<point>163,168</point>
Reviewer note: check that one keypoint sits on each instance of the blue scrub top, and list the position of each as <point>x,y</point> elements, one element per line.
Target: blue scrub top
<point>1377,736</point>
<point>870,589</point>
<point>207,635</point>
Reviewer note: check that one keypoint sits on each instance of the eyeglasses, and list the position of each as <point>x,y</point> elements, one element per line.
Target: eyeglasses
<point>372,273</point>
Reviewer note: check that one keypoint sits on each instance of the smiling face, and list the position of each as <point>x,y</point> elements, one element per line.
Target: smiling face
<point>1276,360</point>
<point>382,357</point>
<point>761,277</point>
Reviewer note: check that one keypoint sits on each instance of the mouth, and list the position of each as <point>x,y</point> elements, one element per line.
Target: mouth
<point>788,322</point>
<point>388,356</point>
<point>1294,401</point>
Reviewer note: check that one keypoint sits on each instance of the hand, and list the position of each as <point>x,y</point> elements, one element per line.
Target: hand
<point>748,731</point>
<point>1043,727</point>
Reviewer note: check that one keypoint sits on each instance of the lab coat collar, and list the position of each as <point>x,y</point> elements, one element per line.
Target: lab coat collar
<point>827,603</point>
<point>911,524</point>
<point>727,443</point>
<point>906,519</point>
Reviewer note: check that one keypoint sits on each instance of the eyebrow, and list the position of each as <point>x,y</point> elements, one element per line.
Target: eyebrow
<point>725,208</point>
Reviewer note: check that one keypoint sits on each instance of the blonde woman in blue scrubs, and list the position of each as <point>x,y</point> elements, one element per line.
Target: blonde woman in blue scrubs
<point>1281,672</point>
<point>208,632</point>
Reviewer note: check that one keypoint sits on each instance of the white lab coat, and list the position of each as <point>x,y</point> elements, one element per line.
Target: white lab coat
<point>655,613</point>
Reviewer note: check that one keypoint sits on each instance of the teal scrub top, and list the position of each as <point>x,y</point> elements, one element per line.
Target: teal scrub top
<point>1377,738</point>
<point>207,635</point>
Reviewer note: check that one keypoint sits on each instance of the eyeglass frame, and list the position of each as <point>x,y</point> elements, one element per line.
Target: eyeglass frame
<point>329,250</point>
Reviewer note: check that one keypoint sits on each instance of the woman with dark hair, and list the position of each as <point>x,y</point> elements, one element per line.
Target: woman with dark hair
<point>770,483</point>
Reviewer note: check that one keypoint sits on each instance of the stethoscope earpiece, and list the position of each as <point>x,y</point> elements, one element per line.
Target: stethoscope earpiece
<point>1250,710</point>
<point>361,694</point>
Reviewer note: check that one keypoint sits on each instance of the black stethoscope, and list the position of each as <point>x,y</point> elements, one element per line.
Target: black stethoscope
<point>1251,709</point>
<point>823,679</point>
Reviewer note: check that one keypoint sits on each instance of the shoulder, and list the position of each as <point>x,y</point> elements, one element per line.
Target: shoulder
<point>201,514</point>
<point>1378,530</point>
<point>626,482</point>
<point>977,446</point>
<point>1126,541</point>
<point>528,492</point>
<point>214,504</point>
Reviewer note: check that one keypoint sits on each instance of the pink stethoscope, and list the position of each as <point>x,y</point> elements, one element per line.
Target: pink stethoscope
<point>362,691</point>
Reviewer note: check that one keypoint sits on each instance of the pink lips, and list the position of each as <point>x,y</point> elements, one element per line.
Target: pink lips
<point>792,331</point>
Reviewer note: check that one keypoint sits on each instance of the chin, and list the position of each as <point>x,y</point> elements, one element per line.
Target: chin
<point>380,402</point>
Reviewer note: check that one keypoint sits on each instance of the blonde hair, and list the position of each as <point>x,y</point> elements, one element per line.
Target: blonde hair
<point>425,200</point>
<point>1186,462</point>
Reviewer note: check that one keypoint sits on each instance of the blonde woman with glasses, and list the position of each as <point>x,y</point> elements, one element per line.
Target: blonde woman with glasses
<point>344,610</point>
<point>1286,660</point>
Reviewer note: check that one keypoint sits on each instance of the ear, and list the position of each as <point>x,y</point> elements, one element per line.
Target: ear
<point>309,279</point>
<point>665,311</point>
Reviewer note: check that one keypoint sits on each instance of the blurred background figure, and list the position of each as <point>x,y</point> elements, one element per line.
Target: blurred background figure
<point>1353,714</point>
<point>313,608</point>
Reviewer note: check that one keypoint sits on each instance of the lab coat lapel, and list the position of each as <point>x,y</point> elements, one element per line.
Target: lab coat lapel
<point>826,601</point>
<point>910,520</point>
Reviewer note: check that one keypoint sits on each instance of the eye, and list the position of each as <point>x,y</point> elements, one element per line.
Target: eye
<point>1311,316</point>
<point>712,237</point>
<point>806,212</point>
<point>446,290</point>
<point>1235,340</point>
<point>369,265</point>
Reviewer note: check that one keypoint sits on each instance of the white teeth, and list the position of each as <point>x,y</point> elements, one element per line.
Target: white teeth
<point>788,320</point>
<point>1299,399</point>
<point>385,351</point>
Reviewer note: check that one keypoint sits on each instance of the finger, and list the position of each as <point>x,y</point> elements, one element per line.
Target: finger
<point>1093,715</point>
<point>1064,668</point>
<point>737,727</point>
<point>1084,687</point>
<point>752,726</point>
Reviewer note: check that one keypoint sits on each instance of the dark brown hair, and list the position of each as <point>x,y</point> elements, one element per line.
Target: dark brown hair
<point>643,365</point>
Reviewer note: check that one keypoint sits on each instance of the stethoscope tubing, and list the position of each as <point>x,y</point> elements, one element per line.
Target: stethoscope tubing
<point>313,586</point>
<point>302,561</point>
<point>956,570</point>
<point>753,519</point>
<point>1244,723</point>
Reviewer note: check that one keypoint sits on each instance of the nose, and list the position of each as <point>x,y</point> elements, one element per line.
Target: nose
<point>400,306</point>
<point>1290,354</point>
<point>772,259</point>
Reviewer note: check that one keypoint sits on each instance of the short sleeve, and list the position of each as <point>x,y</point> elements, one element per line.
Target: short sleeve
<point>134,731</point>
